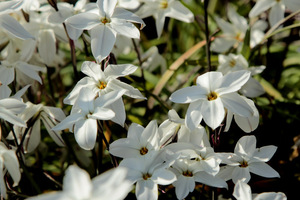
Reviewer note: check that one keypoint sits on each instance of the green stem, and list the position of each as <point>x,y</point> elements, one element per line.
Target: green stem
<point>207,34</point>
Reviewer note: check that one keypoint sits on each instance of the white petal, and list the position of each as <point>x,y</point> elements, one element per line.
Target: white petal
<point>188,94</point>
<point>29,70</point>
<point>261,6</point>
<point>207,80</point>
<point>293,5</point>
<point>183,186</point>
<point>236,104</point>
<point>146,190</point>
<point>271,196</point>
<point>125,28</point>
<point>86,133</point>
<point>221,45</point>
<point>125,148</point>
<point>7,75</point>
<point>14,27</point>
<point>108,98</point>
<point>263,169</point>
<point>159,22</point>
<point>84,21</point>
<point>77,183</point>
<point>68,122</point>
<point>102,41</point>
<point>213,112</point>
<point>179,12</point>
<point>93,70</point>
<point>276,14</point>
<point>47,46</point>
<point>12,165</point>
<point>13,105</point>
<point>241,173</point>
<point>264,154</point>
<point>252,88</point>
<point>55,135</point>
<point>102,114</point>
<point>210,180</point>
<point>119,109</point>
<point>242,191</point>
<point>85,100</point>
<point>115,71</point>
<point>73,33</point>
<point>232,82</point>
<point>128,89</point>
<point>163,176</point>
<point>33,137</point>
<point>246,145</point>
<point>121,13</point>
<point>229,117</point>
<point>11,118</point>
<point>106,7</point>
<point>193,115</point>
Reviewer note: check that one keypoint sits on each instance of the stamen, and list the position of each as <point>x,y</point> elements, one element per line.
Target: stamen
<point>212,96</point>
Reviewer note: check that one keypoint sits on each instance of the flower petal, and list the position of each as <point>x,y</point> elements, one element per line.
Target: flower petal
<point>242,191</point>
<point>14,27</point>
<point>77,183</point>
<point>102,41</point>
<point>213,112</point>
<point>84,21</point>
<point>236,104</point>
<point>179,12</point>
<point>85,132</point>
<point>263,169</point>
<point>188,94</point>
<point>193,115</point>
<point>261,6</point>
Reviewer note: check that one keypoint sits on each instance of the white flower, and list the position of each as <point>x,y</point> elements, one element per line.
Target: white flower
<point>175,126</point>
<point>66,10</point>
<point>247,158</point>
<point>160,9</point>
<point>234,32</point>
<point>9,67</point>
<point>77,185</point>
<point>277,9</point>
<point>84,115</point>
<point>104,23</point>
<point>102,82</point>
<point>203,158</point>
<point>233,63</point>
<point>9,108</point>
<point>152,60</point>
<point>187,174</point>
<point>148,172</point>
<point>242,191</point>
<point>34,114</point>
<point>139,142</point>
<point>9,160</point>
<point>10,24</point>
<point>212,94</point>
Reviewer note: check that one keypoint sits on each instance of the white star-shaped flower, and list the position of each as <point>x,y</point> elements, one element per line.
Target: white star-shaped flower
<point>104,81</point>
<point>212,94</point>
<point>85,113</point>
<point>104,23</point>
<point>247,158</point>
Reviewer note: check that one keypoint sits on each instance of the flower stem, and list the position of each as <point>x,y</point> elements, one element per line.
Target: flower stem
<point>73,54</point>
<point>207,35</point>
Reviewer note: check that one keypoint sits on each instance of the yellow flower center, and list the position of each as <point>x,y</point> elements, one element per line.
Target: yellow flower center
<point>143,151</point>
<point>105,20</point>
<point>232,63</point>
<point>187,173</point>
<point>212,96</point>
<point>146,176</point>
<point>244,164</point>
<point>101,85</point>
<point>163,4</point>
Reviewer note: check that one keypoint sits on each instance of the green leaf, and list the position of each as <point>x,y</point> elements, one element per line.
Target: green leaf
<point>246,46</point>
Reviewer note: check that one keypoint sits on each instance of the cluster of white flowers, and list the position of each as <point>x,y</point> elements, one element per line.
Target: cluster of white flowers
<point>176,152</point>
